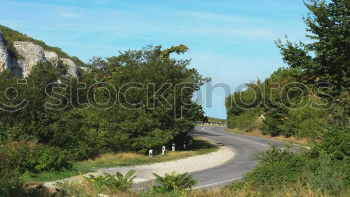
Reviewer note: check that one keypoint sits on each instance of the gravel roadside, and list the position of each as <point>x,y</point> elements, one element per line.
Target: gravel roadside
<point>144,172</point>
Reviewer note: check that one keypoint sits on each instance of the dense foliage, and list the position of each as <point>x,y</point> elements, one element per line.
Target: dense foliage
<point>312,91</point>
<point>138,100</point>
<point>324,168</point>
<point>81,121</point>
<point>32,157</point>
<point>309,98</point>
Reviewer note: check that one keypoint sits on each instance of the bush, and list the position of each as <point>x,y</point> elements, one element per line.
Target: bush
<point>328,176</point>
<point>336,143</point>
<point>112,183</point>
<point>305,120</point>
<point>32,157</point>
<point>154,139</point>
<point>173,182</point>
<point>273,122</point>
<point>276,168</point>
<point>10,184</point>
<point>247,120</point>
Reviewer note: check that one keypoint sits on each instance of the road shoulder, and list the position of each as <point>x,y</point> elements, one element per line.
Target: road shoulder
<point>144,173</point>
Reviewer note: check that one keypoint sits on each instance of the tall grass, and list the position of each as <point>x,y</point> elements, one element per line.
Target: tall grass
<point>290,190</point>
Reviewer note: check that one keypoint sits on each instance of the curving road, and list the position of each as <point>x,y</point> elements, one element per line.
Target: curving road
<point>245,148</point>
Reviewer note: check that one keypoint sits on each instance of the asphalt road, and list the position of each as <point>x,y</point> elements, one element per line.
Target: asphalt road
<point>245,148</point>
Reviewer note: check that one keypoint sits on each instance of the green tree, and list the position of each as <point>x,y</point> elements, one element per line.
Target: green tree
<point>327,57</point>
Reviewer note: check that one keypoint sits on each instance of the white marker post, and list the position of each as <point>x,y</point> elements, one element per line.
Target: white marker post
<point>163,150</point>
<point>150,153</point>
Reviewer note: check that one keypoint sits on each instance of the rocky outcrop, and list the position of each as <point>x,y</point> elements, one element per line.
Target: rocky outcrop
<point>71,67</point>
<point>4,57</point>
<point>52,57</point>
<point>31,55</point>
<point>7,62</point>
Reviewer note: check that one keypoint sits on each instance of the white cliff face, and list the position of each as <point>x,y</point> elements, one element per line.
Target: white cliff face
<point>7,62</point>
<point>4,57</point>
<point>33,55</point>
<point>85,69</point>
<point>71,67</point>
<point>52,57</point>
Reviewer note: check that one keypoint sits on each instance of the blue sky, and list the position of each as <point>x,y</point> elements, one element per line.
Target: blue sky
<point>231,41</point>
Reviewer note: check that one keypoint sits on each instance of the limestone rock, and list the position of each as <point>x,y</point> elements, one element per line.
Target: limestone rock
<point>31,55</point>
<point>7,62</point>
<point>4,57</point>
<point>71,66</point>
<point>85,69</point>
<point>52,57</point>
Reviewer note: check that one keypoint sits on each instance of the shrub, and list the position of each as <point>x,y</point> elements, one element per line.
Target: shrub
<point>10,184</point>
<point>154,139</point>
<point>329,176</point>
<point>336,143</point>
<point>247,120</point>
<point>32,157</point>
<point>173,182</point>
<point>112,183</point>
<point>305,120</point>
<point>276,168</point>
<point>273,122</point>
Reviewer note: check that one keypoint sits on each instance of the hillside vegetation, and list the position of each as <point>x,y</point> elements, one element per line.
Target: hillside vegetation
<point>49,128</point>
<point>120,105</point>
<point>308,98</point>
<point>11,36</point>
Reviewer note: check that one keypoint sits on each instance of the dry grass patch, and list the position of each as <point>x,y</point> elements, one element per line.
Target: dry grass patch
<point>86,189</point>
<point>199,147</point>
<point>296,190</point>
<point>258,133</point>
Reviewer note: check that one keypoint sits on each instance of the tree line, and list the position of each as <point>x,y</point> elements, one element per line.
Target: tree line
<point>307,98</point>
<point>312,91</point>
<point>50,121</point>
